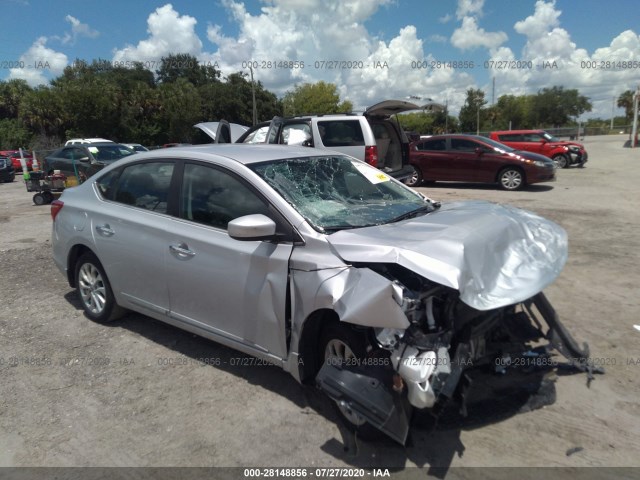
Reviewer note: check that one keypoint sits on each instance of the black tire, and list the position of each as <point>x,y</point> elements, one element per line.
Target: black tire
<point>511,179</point>
<point>337,340</point>
<point>39,199</point>
<point>561,161</point>
<point>94,290</point>
<point>416,178</point>
<point>48,197</point>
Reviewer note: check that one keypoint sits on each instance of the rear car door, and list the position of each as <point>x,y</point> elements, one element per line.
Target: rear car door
<point>432,159</point>
<point>463,160</point>
<point>130,229</point>
<point>232,288</point>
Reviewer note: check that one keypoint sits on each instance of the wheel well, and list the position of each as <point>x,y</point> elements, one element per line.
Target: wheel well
<point>308,346</point>
<point>76,252</point>
<point>511,167</point>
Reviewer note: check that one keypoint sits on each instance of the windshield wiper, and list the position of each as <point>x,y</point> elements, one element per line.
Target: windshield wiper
<point>423,210</point>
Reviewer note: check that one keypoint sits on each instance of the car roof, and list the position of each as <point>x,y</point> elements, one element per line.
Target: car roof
<point>239,152</point>
<point>519,131</point>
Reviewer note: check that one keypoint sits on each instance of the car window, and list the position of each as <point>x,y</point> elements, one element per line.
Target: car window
<point>142,185</point>
<point>463,145</point>
<point>74,154</point>
<point>510,137</point>
<point>532,137</point>
<point>439,145</point>
<point>341,133</point>
<point>296,134</point>
<point>259,135</point>
<point>214,197</point>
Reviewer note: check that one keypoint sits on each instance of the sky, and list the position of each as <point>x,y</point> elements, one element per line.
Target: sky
<point>371,49</point>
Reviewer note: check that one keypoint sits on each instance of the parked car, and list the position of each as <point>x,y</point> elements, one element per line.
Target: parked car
<point>564,153</point>
<point>7,172</point>
<point>14,155</point>
<point>136,147</point>
<point>83,160</point>
<point>318,263</point>
<point>373,137</point>
<point>471,158</point>
<point>85,141</point>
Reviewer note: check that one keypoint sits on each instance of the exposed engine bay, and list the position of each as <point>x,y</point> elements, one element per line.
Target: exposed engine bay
<point>425,363</point>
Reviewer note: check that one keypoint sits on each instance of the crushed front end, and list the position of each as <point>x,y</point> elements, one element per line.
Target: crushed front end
<point>424,365</point>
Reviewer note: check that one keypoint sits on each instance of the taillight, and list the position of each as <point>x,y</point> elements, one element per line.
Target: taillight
<point>56,206</point>
<point>371,155</point>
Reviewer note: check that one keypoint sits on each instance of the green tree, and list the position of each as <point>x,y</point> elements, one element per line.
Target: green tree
<point>13,134</point>
<point>317,98</point>
<point>625,100</point>
<point>188,67</point>
<point>472,108</point>
<point>11,95</point>
<point>556,106</point>
<point>41,111</point>
<point>180,110</point>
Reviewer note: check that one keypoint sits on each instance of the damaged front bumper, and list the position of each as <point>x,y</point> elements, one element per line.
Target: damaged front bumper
<point>425,371</point>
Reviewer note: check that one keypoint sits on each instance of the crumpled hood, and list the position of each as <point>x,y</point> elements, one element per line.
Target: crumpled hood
<point>495,255</point>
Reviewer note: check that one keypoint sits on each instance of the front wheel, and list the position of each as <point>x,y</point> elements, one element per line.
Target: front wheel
<point>561,161</point>
<point>339,342</point>
<point>415,180</point>
<point>94,290</point>
<point>511,179</point>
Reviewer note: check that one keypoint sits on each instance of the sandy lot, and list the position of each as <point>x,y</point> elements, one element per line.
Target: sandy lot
<point>135,393</point>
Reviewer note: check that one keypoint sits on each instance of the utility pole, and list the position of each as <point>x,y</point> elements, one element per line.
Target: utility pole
<point>446,116</point>
<point>634,131</point>
<point>493,92</point>
<point>613,106</point>
<point>253,98</point>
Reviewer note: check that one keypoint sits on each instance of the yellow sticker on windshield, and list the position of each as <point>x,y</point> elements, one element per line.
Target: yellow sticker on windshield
<point>93,149</point>
<point>372,174</point>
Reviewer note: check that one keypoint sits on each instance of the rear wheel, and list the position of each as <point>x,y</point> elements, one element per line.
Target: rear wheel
<point>415,180</point>
<point>339,342</point>
<point>511,178</point>
<point>94,290</point>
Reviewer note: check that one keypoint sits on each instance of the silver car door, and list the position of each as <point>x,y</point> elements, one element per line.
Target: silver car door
<point>129,233</point>
<point>233,288</point>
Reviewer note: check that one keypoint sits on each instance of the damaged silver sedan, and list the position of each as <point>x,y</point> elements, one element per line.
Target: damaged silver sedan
<point>321,264</point>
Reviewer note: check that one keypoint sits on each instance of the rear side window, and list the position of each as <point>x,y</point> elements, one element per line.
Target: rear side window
<point>296,134</point>
<point>433,145</point>
<point>463,145</point>
<point>510,137</point>
<point>142,185</point>
<point>341,133</point>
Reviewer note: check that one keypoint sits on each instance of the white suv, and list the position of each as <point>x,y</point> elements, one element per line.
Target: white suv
<point>372,136</point>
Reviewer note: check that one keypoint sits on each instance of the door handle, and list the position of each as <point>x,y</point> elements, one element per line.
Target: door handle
<point>105,230</point>
<point>182,250</point>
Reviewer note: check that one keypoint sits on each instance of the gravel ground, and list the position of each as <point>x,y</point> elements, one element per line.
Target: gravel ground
<point>141,393</point>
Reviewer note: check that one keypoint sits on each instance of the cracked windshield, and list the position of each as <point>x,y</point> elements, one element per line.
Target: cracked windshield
<point>337,192</point>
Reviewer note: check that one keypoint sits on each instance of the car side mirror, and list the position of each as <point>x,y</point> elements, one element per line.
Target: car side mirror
<point>83,159</point>
<point>252,227</point>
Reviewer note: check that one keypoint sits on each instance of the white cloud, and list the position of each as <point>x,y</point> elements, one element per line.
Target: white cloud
<point>468,8</point>
<point>39,60</point>
<point>547,42</point>
<point>169,33</point>
<point>470,36</point>
<point>445,18</point>
<point>544,19</point>
<point>78,29</point>
<point>438,38</point>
